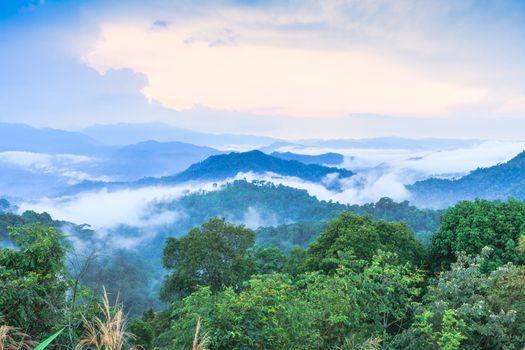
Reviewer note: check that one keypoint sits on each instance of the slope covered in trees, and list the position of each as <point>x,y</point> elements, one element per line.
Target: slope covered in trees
<point>224,166</point>
<point>498,182</point>
<point>363,284</point>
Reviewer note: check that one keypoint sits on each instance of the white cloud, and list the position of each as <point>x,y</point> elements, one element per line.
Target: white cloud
<point>61,164</point>
<point>185,71</point>
<point>105,209</point>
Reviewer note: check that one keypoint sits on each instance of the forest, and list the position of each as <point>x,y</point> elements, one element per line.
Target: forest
<point>361,279</point>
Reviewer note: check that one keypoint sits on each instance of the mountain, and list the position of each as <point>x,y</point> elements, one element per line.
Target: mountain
<point>129,133</point>
<point>21,137</point>
<point>494,183</point>
<point>153,159</point>
<point>392,143</point>
<point>228,165</point>
<point>325,158</point>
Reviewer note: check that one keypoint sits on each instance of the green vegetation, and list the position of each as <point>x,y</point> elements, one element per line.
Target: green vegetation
<point>468,227</point>
<point>214,255</point>
<point>228,165</point>
<point>498,182</point>
<point>361,283</point>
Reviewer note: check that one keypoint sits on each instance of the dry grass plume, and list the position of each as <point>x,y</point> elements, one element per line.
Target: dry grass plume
<point>107,332</point>
<point>12,338</point>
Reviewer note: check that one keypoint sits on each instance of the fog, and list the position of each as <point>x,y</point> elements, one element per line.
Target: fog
<point>379,173</point>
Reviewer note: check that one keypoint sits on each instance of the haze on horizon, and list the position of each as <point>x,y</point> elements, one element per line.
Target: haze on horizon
<point>287,69</point>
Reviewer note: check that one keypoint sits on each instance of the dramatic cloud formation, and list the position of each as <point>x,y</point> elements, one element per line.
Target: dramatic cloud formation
<point>186,71</point>
<point>291,69</point>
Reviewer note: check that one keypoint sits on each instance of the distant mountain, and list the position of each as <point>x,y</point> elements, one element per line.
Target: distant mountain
<point>392,143</point>
<point>494,183</point>
<point>228,165</point>
<point>153,159</point>
<point>21,137</point>
<point>275,146</point>
<point>128,133</point>
<point>325,158</point>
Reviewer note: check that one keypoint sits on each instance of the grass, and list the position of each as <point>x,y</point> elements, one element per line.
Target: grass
<point>107,332</point>
<point>12,338</point>
<point>199,342</point>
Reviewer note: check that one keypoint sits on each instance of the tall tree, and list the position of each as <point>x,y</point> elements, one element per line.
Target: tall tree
<point>33,280</point>
<point>213,255</point>
<point>357,237</point>
<point>469,226</point>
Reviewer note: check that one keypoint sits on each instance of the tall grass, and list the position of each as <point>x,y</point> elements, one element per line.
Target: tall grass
<point>12,338</point>
<point>199,342</point>
<point>107,332</point>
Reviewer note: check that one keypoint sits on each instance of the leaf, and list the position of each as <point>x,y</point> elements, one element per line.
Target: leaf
<point>46,342</point>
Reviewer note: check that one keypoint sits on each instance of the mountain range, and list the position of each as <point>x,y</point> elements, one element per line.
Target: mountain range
<point>498,182</point>
<point>36,162</point>
<point>220,167</point>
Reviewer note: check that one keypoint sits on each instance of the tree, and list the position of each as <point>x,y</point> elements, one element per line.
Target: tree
<point>127,277</point>
<point>268,259</point>
<point>458,302</point>
<point>269,314</point>
<point>33,280</point>
<point>352,236</point>
<point>469,226</point>
<point>213,255</point>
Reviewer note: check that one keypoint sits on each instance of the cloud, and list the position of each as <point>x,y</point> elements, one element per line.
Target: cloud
<point>254,219</point>
<point>104,209</point>
<point>63,165</point>
<point>203,64</point>
<point>434,68</point>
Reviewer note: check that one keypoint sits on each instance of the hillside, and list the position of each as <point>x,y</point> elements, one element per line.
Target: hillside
<point>129,133</point>
<point>322,159</point>
<point>16,137</point>
<point>498,182</point>
<point>220,167</point>
<point>153,158</point>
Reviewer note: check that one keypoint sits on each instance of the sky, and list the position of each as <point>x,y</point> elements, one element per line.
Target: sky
<point>288,69</point>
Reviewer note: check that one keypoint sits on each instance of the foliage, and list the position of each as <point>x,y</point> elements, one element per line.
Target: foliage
<point>48,341</point>
<point>498,182</point>
<point>33,280</point>
<point>469,226</point>
<point>228,165</point>
<point>289,235</point>
<point>461,296</point>
<point>275,311</point>
<point>351,236</point>
<point>268,314</point>
<point>213,255</point>
<point>268,259</point>
<point>135,286</point>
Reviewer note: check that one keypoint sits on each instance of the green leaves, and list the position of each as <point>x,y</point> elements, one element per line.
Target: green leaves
<point>48,341</point>
<point>468,227</point>
<point>33,280</point>
<point>352,237</point>
<point>213,255</point>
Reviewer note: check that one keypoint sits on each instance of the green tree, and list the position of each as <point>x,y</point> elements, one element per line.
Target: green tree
<point>268,259</point>
<point>352,236</point>
<point>458,305</point>
<point>469,226</point>
<point>269,314</point>
<point>142,329</point>
<point>213,255</point>
<point>33,280</point>
<point>127,277</point>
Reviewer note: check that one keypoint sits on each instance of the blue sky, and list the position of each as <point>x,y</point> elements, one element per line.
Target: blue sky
<point>296,69</point>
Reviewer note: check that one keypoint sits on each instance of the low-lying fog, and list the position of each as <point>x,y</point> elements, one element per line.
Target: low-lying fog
<point>380,173</point>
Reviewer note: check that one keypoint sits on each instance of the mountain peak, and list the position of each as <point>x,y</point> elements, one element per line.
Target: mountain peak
<point>224,166</point>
